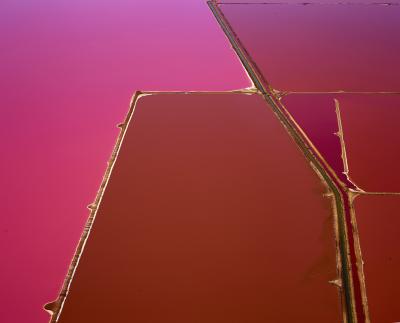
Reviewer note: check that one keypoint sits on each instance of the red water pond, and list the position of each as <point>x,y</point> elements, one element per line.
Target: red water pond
<point>211,214</point>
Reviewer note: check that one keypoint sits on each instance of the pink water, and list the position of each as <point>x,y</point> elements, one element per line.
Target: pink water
<point>68,70</point>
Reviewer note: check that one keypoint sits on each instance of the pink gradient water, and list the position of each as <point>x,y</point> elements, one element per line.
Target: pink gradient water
<point>68,70</point>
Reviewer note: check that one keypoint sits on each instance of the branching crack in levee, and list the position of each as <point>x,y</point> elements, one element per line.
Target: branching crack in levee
<point>355,307</point>
<point>340,134</point>
<point>310,142</point>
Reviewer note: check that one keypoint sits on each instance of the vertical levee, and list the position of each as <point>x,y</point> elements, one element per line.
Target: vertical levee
<point>350,280</point>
